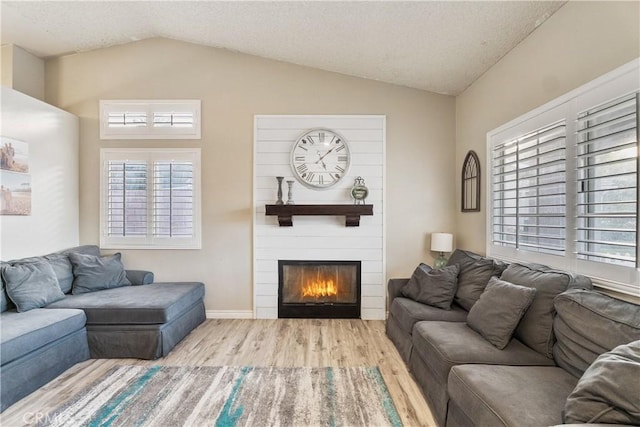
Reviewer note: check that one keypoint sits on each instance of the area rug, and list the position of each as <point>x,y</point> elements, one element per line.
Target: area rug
<point>231,396</point>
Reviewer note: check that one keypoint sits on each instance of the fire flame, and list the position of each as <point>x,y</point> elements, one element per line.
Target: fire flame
<point>320,288</point>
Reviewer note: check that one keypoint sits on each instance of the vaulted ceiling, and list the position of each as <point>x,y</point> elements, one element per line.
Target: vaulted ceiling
<point>439,46</point>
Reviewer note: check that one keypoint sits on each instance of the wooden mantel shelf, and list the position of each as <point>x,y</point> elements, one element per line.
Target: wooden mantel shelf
<point>351,213</point>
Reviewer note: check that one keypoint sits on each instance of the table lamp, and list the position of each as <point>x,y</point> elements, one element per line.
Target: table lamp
<point>441,242</point>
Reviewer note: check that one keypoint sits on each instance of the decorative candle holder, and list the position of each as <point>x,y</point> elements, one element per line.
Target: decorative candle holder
<point>279,201</point>
<point>290,194</point>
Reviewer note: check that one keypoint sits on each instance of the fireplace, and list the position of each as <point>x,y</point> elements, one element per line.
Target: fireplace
<point>319,289</point>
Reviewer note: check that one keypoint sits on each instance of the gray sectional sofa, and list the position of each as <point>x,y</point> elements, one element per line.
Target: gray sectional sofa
<point>116,320</point>
<point>560,362</point>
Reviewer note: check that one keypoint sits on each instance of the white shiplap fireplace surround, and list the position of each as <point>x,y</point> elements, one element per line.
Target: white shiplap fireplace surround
<point>318,237</point>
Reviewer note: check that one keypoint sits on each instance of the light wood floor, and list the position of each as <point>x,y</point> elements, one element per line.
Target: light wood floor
<point>283,343</point>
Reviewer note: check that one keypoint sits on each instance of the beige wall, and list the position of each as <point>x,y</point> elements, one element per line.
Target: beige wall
<point>233,88</point>
<point>580,42</point>
<point>22,71</point>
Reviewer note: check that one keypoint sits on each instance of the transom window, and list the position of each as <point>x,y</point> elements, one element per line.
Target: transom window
<point>150,119</point>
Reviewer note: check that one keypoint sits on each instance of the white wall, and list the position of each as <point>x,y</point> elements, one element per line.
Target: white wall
<point>315,237</point>
<point>52,136</point>
<point>581,41</point>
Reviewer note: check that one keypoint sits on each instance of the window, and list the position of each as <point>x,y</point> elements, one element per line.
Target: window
<point>529,191</point>
<point>157,119</point>
<point>150,198</point>
<point>564,183</point>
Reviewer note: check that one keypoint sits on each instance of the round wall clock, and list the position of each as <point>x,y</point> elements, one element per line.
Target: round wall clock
<point>320,158</point>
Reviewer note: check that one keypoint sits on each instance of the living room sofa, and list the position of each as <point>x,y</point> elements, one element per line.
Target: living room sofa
<point>533,380</point>
<point>124,321</point>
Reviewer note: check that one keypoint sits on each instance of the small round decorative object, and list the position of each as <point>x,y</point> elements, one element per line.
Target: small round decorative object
<point>359,191</point>
<point>320,158</point>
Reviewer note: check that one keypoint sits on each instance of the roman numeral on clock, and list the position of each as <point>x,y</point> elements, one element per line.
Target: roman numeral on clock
<point>340,148</point>
<point>299,158</point>
<point>342,159</point>
<point>310,176</point>
<point>320,179</point>
<point>338,168</point>
<point>311,141</point>
<point>301,168</point>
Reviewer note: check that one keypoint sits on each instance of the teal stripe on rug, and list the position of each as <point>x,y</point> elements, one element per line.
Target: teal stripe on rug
<point>387,403</point>
<point>228,418</point>
<point>109,412</point>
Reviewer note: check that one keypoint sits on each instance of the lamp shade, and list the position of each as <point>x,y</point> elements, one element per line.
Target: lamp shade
<point>441,242</point>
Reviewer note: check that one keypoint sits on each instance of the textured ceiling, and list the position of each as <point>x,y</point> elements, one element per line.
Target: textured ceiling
<point>440,46</point>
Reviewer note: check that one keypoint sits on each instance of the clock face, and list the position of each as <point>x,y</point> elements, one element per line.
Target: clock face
<point>320,158</point>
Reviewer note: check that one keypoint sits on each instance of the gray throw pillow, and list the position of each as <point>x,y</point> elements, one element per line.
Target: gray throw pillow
<point>31,285</point>
<point>432,287</point>
<point>536,328</point>
<point>93,273</point>
<point>609,390</point>
<point>474,274</point>
<point>496,314</point>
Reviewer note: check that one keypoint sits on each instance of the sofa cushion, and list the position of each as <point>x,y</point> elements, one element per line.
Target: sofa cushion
<point>536,327</point>
<point>588,324</point>
<point>446,344</point>
<point>150,304</point>
<point>473,275</point>
<point>22,333</point>
<point>94,273</point>
<point>433,287</point>
<point>5,301</point>
<point>510,395</point>
<point>31,285</point>
<point>609,390</point>
<point>498,311</point>
<point>407,312</point>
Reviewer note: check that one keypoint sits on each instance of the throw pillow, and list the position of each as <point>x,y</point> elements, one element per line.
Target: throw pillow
<point>496,314</point>
<point>474,274</point>
<point>536,328</point>
<point>93,273</point>
<point>609,390</point>
<point>432,287</point>
<point>31,285</point>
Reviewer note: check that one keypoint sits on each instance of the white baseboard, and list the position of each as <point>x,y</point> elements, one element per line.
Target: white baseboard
<point>229,314</point>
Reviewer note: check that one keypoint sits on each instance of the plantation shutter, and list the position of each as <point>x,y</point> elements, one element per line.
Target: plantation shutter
<point>607,173</point>
<point>150,119</point>
<point>529,191</point>
<point>173,199</point>
<point>127,198</point>
<point>150,198</point>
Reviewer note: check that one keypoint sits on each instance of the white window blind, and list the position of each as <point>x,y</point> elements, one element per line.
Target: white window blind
<point>150,119</point>
<point>150,198</point>
<point>126,198</point>
<point>564,183</point>
<point>173,199</point>
<point>529,203</point>
<point>607,173</point>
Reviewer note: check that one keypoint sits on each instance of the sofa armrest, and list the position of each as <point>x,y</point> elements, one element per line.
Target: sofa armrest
<point>395,287</point>
<point>139,277</point>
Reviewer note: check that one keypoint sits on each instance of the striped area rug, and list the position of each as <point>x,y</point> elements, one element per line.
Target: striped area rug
<point>231,396</point>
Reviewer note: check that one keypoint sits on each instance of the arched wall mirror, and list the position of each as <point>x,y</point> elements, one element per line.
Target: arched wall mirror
<point>471,183</point>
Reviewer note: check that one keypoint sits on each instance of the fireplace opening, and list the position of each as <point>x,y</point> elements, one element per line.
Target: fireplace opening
<point>319,289</point>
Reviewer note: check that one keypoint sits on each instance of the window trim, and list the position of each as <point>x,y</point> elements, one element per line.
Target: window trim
<point>617,83</point>
<point>150,107</point>
<point>151,242</point>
